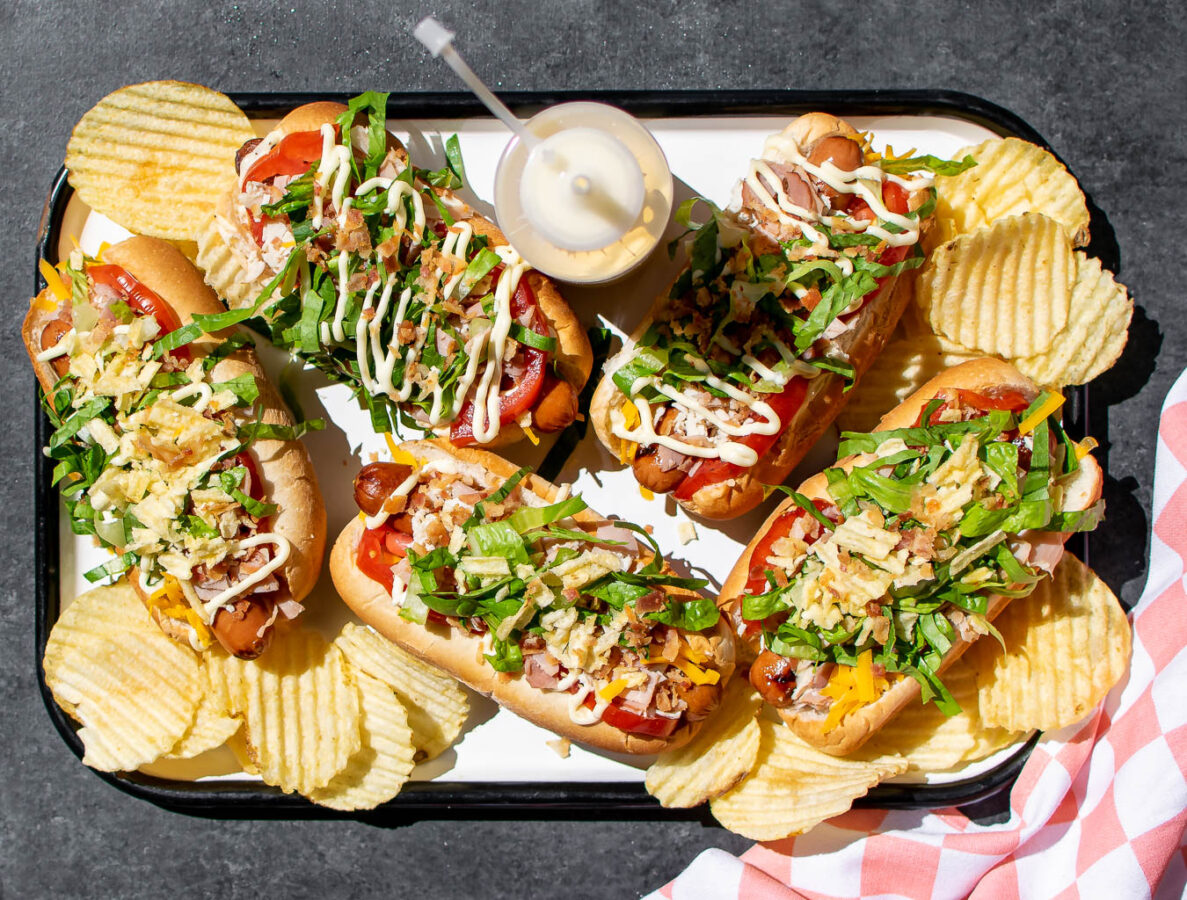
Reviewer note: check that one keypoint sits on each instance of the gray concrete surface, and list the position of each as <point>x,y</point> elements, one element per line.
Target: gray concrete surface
<point>1104,82</point>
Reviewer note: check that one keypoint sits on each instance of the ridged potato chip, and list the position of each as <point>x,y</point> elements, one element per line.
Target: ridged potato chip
<point>717,758</point>
<point>1004,290</point>
<point>1096,333</point>
<point>214,723</point>
<point>300,705</point>
<point>222,269</point>
<point>437,705</point>
<point>1011,177</point>
<point>794,787</point>
<point>134,690</point>
<point>1068,644</point>
<point>907,363</point>
<point>376,773</point>
<point>932,741</point>
<point>155,156</point>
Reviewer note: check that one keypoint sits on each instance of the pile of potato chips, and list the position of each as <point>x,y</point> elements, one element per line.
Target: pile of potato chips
<point>1065,646</point>
<point>1003,278</point>
<point>341,723</point>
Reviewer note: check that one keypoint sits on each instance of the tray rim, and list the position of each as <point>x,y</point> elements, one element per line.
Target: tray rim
<point>506,800</point>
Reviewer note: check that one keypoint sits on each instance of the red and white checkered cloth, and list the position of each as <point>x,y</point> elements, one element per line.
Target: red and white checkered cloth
<point>1098,811</point>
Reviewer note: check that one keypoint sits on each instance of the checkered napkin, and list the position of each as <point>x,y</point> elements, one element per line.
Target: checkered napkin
<point>1098,811</point>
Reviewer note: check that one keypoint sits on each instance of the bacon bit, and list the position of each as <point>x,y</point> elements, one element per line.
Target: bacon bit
<point>361,280</point>
<point>811,299</point>
<point>353,236</point>
<point>406,333</point>
<point>650,603</point>
<point>671,643</point>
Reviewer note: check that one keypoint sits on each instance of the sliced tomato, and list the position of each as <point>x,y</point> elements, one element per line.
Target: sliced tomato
<point>294,154</point>
<point>142,299</point>
<point>374,559</point>
<point>517,397</point>
<point>1009,399</point>
<point>713,471</point>
<point>633,723</point>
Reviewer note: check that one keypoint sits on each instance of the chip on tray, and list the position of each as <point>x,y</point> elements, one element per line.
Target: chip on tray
<point>716,759</point>
<point>379,769</point>
<point>1004,290</point>
<point>300,707</point>
<point>437,705</point>
<point>155,156</point>
<point>134,690</point>
<point>1096,332</point>
<point>1012,177</point>
<point>214,723</point>
<point>794,787</point>
<point>934,742</point>
<point>1067,644</point>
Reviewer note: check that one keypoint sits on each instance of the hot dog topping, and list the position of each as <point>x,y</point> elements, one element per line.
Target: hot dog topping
<point>771,285</point>
<point>932,521</point>
<point>152,452</point>
<point>379,284</point>
<point>570,606</point>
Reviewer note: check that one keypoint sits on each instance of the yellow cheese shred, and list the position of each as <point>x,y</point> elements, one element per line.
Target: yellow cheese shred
<point>647,493</point>
<point>697,674</point>
<point>612,690</point>
<point>1052,403</point>
<point>1085,447</point>
<point>531,435</point>
<point>399,454</point>
<point>864,677</point>
<point>852,687</point>
<point>53,280</point>
<point>630,419</point>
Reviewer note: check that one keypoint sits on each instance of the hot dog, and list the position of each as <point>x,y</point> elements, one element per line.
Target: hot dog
<point>182,462</point>
<point>787,298</point>
<point>394,285</point>
<point>864,586</point>
<point>516,589</point>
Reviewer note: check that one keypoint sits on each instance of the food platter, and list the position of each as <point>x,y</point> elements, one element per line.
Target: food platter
<point>707,137</point>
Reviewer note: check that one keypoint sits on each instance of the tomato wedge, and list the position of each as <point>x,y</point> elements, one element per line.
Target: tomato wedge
<point>515,398</point>
<point>293,155</point>
<point>1009,400</point>
<point>712,471</point>
<point>141,299</point>
<point>374,559</point>
<point>625,720</point>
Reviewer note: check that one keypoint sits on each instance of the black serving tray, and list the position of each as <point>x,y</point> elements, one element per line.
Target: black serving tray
<point>539,800</point>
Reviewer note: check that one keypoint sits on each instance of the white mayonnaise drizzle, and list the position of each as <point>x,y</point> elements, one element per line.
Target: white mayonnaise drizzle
<point>283,550</point>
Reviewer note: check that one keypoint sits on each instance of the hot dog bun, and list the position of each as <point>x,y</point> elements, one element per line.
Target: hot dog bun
<point>573,357</point>
<point>981,375</point>
<point>284,466</point>
<point>826,394</point>
<point>461,655</point>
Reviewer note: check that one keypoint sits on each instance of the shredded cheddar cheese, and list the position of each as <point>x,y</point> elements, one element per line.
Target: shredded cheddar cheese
<point>53,281</point>
<point>630,421</point>
<point>1052,403</point>
<point>1085,447</point>
<point>531,435</point>
<point>612,690</point>
<point>852,687</point>
<point>696,673</point>
<point>646,492</point>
